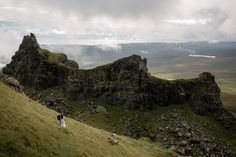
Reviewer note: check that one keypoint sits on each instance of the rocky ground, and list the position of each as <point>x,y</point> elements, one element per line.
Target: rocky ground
<point>188,138</point>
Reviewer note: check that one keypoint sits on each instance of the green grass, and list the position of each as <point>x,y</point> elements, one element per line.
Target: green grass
<point>229,101</point>
<point>30,129</point>
<point>228,93</point>
<point>156,79</point>
<point>52,57</point>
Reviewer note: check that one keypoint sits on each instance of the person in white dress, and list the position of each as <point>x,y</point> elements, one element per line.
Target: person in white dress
<point>61,118</point>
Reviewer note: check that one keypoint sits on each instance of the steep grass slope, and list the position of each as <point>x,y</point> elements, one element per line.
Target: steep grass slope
<point>30,129</point>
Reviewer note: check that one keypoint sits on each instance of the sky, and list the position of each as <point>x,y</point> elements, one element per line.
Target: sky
<point>114,21</point>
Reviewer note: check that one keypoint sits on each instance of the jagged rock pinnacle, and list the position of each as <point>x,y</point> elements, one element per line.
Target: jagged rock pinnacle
<point>29,42</point>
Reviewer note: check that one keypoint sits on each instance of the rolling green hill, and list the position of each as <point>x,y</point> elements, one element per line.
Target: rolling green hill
<point>30,129</point>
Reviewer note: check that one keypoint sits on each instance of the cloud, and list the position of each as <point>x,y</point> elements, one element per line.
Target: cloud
<point>56,31</point>
<point>109,47</point>
<point>124,19</point>
<point>106,22</point>
<point>116,8</point>
<point>9,44</point>
<point>2,66</point>
<point>189,21</point>
<point>144,52</point>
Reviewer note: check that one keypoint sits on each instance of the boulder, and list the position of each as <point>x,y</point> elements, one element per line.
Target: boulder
<point>101,109</point>
<point>112,141</point>
<point>11,82</point>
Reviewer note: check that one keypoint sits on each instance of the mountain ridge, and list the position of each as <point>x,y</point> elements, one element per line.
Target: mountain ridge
<point>125,81</point>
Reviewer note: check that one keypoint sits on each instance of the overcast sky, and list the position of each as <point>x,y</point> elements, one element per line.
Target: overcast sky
<point>115,21</point>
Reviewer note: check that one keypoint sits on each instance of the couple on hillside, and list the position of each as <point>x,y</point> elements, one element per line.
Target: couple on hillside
<point>62,120</point>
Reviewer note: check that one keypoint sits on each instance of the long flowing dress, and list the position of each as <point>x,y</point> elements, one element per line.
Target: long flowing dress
<point>62,122</point>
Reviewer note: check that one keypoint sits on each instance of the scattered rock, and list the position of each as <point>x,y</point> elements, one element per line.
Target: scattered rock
<point>183,143</point>
<point>181,151</point>
<point>112,141</point>
<point>180,134</point>
<point>11,82</point>
<point>187,135</point>
<point>101,109</point>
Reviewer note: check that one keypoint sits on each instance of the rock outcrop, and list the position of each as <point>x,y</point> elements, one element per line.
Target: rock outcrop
<point>12,82</point>
<point>38,68</point>
<point>125,82</point>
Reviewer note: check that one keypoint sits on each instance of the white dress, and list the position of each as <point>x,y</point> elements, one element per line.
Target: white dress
<point>62,122</point>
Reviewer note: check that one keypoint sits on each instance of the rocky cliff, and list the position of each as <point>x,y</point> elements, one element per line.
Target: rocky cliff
<point>38,68</point>
<point>125,82</point>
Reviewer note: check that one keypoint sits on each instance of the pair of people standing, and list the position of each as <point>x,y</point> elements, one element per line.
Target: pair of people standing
<point>62,120</point>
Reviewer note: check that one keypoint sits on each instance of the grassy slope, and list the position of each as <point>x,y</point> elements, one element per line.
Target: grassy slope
<point>229,101</point>
<point>30,129</point>
<point>52,56</point>
<point>228,93</point>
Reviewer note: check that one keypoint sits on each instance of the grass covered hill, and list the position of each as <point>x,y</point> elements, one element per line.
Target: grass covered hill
<point>30,129</point>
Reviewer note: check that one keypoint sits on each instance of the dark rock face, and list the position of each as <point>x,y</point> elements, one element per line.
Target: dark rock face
<point>33,69</point>
<point>125,82</point>
<point>122,82</point>
<point>206,76</point>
